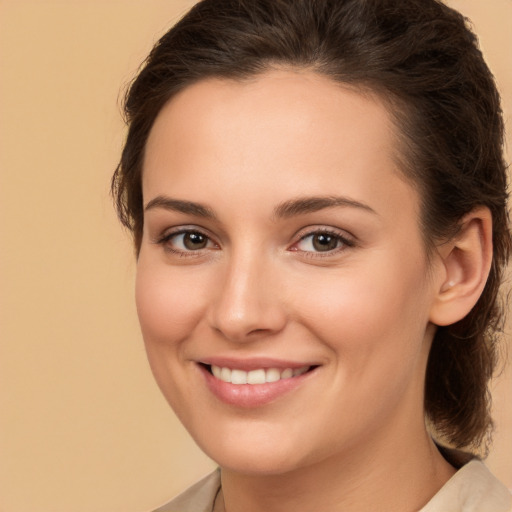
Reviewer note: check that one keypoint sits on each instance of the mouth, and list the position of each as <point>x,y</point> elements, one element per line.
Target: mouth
<point>256,376</point>
<point>253,386</point>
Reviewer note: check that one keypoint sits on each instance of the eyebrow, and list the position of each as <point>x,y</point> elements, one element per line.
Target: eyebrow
<point>291,208</point>
<point>304,205</point>
<point>178,205</point>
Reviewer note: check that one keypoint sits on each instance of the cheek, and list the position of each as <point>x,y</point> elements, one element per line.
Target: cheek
<point>373,319</point>
<point>374,328</point>
<point>168,304</point>
<point>169,307</point>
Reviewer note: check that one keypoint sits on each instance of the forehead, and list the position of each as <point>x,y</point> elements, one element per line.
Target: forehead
<point>277,98</point>
<point>283,130</point>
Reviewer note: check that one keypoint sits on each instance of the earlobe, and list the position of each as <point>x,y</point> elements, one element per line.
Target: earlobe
<point>465,264</point>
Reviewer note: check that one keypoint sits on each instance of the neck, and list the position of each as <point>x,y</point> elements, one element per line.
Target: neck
<point>399,477</point>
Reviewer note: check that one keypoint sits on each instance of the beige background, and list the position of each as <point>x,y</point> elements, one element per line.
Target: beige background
<point>82,425</point>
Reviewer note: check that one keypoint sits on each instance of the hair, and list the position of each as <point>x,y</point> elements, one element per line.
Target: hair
<point>422,59</point>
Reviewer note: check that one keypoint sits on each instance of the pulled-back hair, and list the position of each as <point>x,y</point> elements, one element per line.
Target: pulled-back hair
<point>423,61</point>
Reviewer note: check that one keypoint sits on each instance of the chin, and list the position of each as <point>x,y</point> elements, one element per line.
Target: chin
<point>254,462</point>
<point>255,452</point>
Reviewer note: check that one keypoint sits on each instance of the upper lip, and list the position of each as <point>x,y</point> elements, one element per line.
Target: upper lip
<point>255,363</point>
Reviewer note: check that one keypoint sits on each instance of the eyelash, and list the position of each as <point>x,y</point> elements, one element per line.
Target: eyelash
<point>166,239</point>
<point>345,242</point>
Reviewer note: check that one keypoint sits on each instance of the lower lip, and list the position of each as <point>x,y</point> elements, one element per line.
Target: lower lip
<point>251,395</point>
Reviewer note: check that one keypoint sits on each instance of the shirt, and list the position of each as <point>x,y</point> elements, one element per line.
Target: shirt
<point>473,488</point>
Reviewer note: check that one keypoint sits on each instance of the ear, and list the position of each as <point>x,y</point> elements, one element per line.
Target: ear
<point>465,263</point>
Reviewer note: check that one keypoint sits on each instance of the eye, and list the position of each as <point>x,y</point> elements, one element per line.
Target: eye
<point>186,241</point>
<point>322,242</point>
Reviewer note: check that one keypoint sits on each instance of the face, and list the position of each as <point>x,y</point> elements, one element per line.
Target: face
<point>282,284</point>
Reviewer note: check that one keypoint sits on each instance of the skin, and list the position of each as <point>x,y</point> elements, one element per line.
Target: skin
<point>350,435</point>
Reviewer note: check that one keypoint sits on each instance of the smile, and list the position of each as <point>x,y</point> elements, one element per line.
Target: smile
<point>253,383</point>
<point>257,376</point>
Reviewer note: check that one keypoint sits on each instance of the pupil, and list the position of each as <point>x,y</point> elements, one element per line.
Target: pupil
<point>324,242</point>
<point>194,241</point>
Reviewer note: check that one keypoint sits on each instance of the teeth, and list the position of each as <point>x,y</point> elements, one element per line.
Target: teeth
<point>288,373</point>
<point>238,377</point>
<point>259,376</point>
<point>300,371</point>
<point>272,375</point>
<point>256,377</point>
<point>225,374</point>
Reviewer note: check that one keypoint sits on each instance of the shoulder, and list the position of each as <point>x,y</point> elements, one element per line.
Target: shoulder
<point>472,489</point>
<point>198,498</point>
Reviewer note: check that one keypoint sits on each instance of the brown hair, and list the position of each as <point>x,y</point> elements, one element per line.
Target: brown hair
<point>423,60</point>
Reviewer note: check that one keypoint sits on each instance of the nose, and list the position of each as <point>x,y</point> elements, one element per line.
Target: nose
<point>248,305</point>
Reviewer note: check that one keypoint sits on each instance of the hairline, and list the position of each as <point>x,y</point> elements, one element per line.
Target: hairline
<point>397,108</point>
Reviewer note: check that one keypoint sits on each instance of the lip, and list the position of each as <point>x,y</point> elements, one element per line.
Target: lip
<point>254,363</point>
<point>252,395</point>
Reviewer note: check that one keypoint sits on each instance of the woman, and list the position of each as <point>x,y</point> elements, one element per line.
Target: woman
<point>317,195</point>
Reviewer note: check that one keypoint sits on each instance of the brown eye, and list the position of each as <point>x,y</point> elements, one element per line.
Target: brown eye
<point>187,242</point>
<point>324,242</point>
<point>194,241</point>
